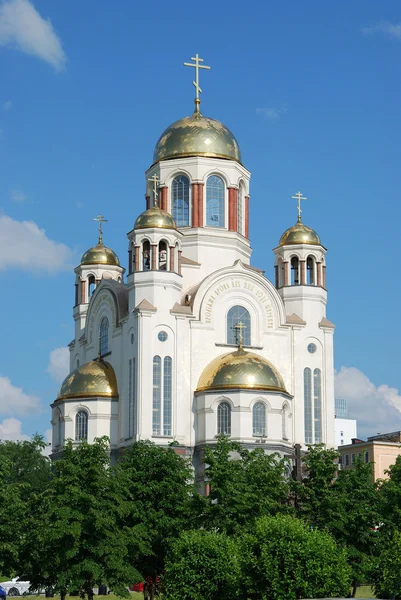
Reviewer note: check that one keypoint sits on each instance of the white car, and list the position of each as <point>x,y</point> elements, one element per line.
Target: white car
<point>15,587</point>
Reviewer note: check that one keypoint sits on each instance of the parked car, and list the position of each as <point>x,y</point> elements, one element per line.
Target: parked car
<point>15,587</point>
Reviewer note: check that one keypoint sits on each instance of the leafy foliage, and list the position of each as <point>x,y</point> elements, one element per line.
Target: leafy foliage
<point>387,575</point>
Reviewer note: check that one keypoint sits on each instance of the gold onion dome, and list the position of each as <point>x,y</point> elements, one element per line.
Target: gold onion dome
<point>300,234</point>
<point>155,217</point>
<point>91,380</point>
<point>100,255</point>
<point>241,370</point>
<point>197,136</point>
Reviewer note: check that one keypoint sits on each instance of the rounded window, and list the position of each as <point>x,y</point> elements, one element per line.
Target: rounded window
<point>162,336</point>
<point>132,338</point>
<point>312,348</point>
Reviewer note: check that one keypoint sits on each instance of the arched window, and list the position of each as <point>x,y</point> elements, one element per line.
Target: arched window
<point>180,200</point>
<point>236,315</point>
<point>77,363</point>
<point>167,394</point>
<point>259,419</point>
<point>162,256</point>
<point>317,401</point>
<point>146,256</point>
<point>240,219</point>
<point>284,416</point>
<point>224,418</point>
<point>57,427</point>
<point>157,395</point>
<point>215,202</point>
<point>162,395</point>
<point>308,406</point>
<point>294,271</point>
<point>104,336</point>
<point>91,285</point>
<point>310,271</point>
<point>81,426</point>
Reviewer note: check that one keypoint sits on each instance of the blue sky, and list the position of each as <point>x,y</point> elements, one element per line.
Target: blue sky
<point>312,92</point>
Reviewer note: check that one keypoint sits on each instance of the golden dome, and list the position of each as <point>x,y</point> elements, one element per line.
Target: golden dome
<point>100,255</point>
<point>299,234</point>
<point>91,380</point>
<point>243,370</point>
<point>197,136</point>
<point>155,217</point>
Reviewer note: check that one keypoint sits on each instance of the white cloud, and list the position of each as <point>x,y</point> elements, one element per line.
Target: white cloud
<point>22,27</point>
<point>11,429</point>
<point>14,401</point>
<point>272,114</point>
<point>23,245</point>
<point>18,196</point>
<point>7,105</point>
<point>376,408</point>
<point>59,364</point>
<point>391,29</point>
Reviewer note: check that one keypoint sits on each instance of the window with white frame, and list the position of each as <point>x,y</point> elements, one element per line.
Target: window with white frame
<point>235,316</point>
<point>180,200</point>
<point>284,417</point>
<point>104,336</point>
<point>81,425</point>
<point>215,204</point>
<point>224,418</point>
<point>313,406</point>
<point>162,396</point>
<point>259,419</point>
<point>132,408</point>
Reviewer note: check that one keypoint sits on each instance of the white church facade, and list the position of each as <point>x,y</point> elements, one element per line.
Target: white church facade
<point>191,341</point>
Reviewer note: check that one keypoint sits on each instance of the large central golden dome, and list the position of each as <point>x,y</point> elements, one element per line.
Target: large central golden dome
<point>93,379</point>
<point>197,136</point>
<point>241,370</point>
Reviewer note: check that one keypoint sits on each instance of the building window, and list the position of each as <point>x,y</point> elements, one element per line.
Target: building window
<point>346,460</point>
<point>312,348</point>
<point>284,416</point>
<point>162,336</point>
<point>308,405</point>
<point>236,315</point>
<point>81,426</point>
<point>162,256</point>
<point>352,459</point>
<point>310,270</point>
<point>317,401</point>
<point>104,336</point>
<point>224,418</point>
<point>57,427</point>
<point>162,396</point>
<point>146,256</point>
<point>132,398</point>
<point>180,200</point>
<point>294,271</point>
<point>215,205</point>
<point>259,419</point>
<point>240,219</point>
<point>366,457</point>
<point>91,285</point>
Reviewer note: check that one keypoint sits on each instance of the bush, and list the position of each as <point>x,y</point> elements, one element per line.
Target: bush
<point>387,575</point>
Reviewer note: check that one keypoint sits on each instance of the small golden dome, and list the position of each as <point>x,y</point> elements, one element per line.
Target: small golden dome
<point>91,380</point>
<point>197,136</point>
<point>299,234</point>
<point>243,370</point>
<point>155,217</point>
<point>100,255</point>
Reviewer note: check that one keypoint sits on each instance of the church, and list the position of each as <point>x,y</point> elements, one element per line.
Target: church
<point>191,340</point>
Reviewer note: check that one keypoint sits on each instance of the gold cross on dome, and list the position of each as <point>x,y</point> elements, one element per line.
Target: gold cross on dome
<point>298,196</point>
<point>198,90</point>
<point>155,180</point>
<point>239,327</point>
<point>100,219</point>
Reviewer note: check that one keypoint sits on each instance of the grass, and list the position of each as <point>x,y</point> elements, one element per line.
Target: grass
<point>365,591</point>
<point>133,596</point>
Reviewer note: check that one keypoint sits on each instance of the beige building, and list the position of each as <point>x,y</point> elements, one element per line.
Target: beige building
<point>381,450</point>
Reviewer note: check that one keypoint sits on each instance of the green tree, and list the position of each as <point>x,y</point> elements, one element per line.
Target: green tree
<point>390,498</point>
<point>79,540</point>
<point>203,565</point>
<point>285,559</point>
<point>387,574</point>
<point>159,489</point>
<point>26,463</point>
<point>244,485</point>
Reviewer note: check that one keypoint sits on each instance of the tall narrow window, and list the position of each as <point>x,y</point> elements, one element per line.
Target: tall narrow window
<point>81,426</point>
<point>167,395</point>
<point>308,405</point>
<point>146,256</point>
<point>91,285</point>
<point>317,404</point>
<point>294,271</point>
<point>104,336</point>
<point>224,418</point>
<point>157,395</point>
<point>235,316</point>
<point>57,427</point>
<point>131,399</point>
<point>284,416</point>
<point>162,256</point>
<point>310,271</point>
<point>259,419</point>
<point>215,202</point>
<point>180,200</point>
<point>240,219</point>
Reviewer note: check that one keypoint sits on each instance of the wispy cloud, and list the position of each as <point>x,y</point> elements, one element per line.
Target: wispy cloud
<point>11,430</point>
<point>271,113</point>
<point>376,408</point>
<point>391,29</point>
<point>59,364</point>
<point>7,105</point>
<point>18,196</point>
<point>13,400</point>
<point>23,245</point>
<point>22,27</point>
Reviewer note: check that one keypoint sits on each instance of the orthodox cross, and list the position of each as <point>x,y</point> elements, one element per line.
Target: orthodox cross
<point>155,180</point>
<point>298,196</point>
<point>239,327</point>
<point>100,219</point>
<point>198,89</point>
